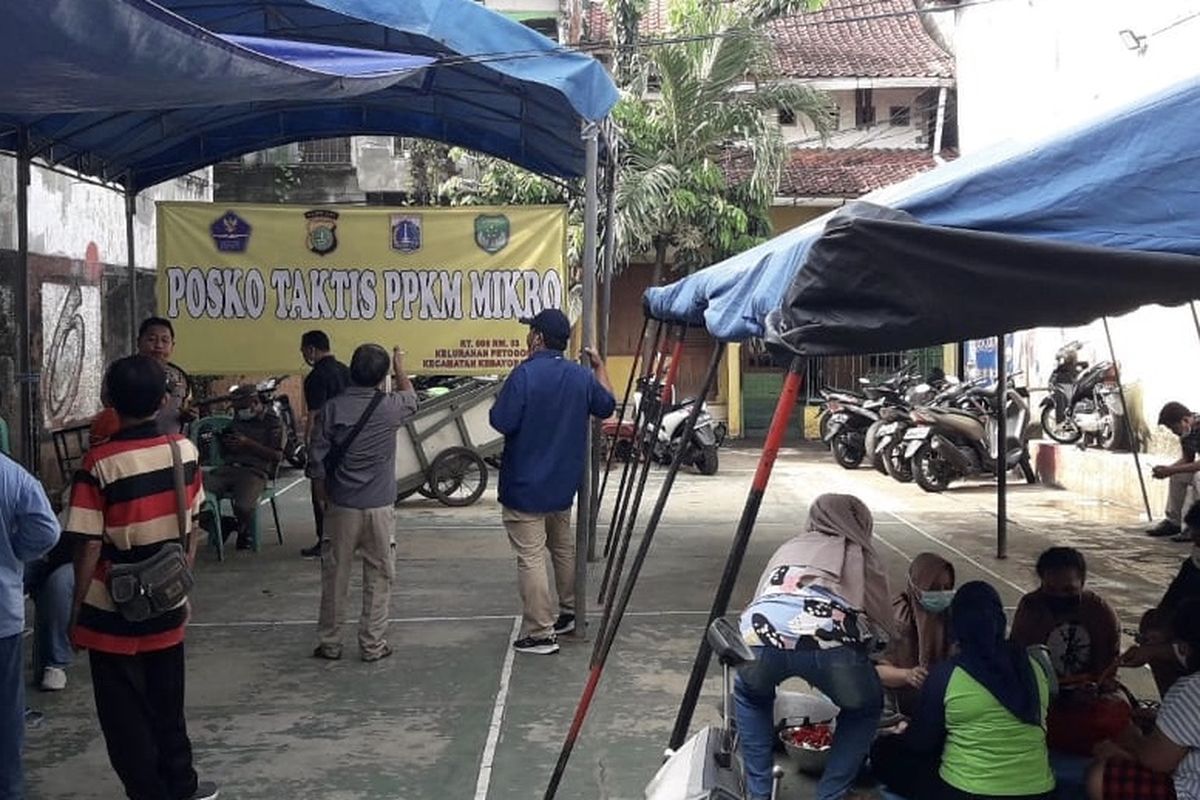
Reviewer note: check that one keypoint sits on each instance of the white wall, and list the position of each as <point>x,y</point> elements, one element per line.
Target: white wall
<point>67,214</point>
<point>882,134</point>
<point>1027,68</point>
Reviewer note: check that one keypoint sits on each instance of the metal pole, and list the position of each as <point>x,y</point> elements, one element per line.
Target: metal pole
<point>130,213</point>
<point>1001,447</point>
<point>1195,318</point>
<point>612,573</point>
<point>610,241</point>
<point>625,487</point>
<point>741,539</point>
<point>27,379</point>
<point>635,568</point>
<point>633,368</point>
<point>583,517</point>
<point>1134,445</point>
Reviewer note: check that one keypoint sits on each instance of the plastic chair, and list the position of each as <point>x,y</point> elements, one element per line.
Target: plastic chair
<point>206,435</point>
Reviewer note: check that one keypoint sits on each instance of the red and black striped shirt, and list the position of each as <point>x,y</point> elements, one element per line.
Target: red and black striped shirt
<point>124,495</point>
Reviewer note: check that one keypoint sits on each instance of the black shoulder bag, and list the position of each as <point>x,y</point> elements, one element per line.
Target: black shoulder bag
<point>153,586</point>
<point>333,459</point>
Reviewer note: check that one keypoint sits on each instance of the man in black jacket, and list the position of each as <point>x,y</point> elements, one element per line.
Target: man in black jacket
<point>328,379</point>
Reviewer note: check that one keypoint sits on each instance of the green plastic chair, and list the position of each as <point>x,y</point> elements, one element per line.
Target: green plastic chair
<point>206,434</point>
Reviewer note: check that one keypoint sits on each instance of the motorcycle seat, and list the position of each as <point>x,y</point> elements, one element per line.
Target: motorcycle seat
<point>950,411</point>
<point>727,643</point>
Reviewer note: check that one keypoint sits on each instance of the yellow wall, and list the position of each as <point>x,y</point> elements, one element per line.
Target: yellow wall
<point>785,218</point>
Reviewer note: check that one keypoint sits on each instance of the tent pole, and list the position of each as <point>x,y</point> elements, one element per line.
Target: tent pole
<point>639,417</point>
<point>621,409</point>
<point>610,240</point>
<point>610,634</point>
<point>644,451</point>
<point>130,254</point>
<point>1001,447</point>
<point>1195,318</point>
<point>737,551</point>
<point>27,379</point>
<point>1134,446</point>
<point>584,539</point>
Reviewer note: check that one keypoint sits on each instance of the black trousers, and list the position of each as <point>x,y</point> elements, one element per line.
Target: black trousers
<point>319,519</point>
<point>139,700</point>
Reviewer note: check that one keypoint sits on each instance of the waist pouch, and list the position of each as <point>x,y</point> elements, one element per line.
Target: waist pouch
<point>153,586</point>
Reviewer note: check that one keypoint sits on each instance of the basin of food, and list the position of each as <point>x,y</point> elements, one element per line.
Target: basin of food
<point>806,723</point>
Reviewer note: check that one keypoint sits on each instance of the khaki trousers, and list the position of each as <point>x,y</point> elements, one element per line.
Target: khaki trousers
<point>531,535</point>
<point>1180,486</point>
<point>367,531</point>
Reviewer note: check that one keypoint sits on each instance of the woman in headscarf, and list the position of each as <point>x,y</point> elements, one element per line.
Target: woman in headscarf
<point>921,640</point>
<point>820,606</point>
<point>984,710</point>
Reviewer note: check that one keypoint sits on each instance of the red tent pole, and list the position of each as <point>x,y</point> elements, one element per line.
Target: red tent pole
<point>737,551</point>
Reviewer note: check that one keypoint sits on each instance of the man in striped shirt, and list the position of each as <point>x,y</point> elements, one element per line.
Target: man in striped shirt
<point>123,510</point>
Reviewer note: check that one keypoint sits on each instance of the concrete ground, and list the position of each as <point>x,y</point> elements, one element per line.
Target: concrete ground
<point>453,715</point>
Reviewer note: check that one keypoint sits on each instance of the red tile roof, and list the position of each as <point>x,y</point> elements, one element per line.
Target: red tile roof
<point>845,39</point>
<point>824,172</point>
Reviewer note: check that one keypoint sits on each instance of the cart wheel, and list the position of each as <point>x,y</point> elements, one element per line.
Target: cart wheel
<point>426,492</point>
<point>407,493</point>
<point>458,476</point>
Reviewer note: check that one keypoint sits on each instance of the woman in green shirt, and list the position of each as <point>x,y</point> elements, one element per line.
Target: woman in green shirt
<point>984,710</point>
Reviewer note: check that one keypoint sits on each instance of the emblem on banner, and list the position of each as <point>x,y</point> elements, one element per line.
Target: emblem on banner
<point>491,232</point>
<point>230,233</point>
<point>322,231</point>
<point>406,233</point>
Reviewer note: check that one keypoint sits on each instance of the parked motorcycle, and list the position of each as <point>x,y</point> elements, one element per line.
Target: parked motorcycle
<point>707,436</point>
<point>949,444</point>
<point>853,421</point>
<point>1084,402</point>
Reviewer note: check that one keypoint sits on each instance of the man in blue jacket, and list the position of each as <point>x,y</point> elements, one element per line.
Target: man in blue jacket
<point>543,413</point>
<point>28,529</point>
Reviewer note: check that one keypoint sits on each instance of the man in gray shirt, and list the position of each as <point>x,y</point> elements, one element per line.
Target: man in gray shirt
<point>352,463</point>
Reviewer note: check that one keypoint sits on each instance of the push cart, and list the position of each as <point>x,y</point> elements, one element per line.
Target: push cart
<point>443,450</point>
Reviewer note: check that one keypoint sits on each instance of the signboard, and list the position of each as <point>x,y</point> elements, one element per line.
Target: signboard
<point>241,283</point>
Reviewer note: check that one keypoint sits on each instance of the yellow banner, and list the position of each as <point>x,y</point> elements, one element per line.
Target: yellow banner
<point>241,283</point>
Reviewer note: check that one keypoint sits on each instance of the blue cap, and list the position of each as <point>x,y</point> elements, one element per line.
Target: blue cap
<point>550,322</point>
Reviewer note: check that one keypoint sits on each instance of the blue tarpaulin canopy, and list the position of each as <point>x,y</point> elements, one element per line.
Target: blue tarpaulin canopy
<point>172,97</point>
<point>990,239</point>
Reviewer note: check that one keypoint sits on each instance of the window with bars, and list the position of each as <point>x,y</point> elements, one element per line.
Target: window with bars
<point>325,151</point>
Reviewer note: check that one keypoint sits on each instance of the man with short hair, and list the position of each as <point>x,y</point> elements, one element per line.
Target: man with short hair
<point>353,467</point>
<point>28,530</point>
<point>1183,475</point>
<point>543,413</point>
<point>123,510</point>
<point>250,449</point>
<point>156,339</point>
<point>327,379</point>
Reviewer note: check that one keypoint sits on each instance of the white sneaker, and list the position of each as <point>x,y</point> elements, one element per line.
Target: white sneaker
<point>54,679</point>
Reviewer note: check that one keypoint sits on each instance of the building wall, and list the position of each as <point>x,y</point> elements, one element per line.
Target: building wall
<point>882,133</point>
<point>78,287</point>
<point>1027,69</point>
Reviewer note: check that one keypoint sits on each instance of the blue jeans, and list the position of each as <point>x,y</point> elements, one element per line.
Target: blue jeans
<point>53,594</point>
<point>845,675</point>
<point>12,717</point>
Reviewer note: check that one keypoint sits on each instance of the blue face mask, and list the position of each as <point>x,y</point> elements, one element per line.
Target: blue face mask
<point>936,602</point>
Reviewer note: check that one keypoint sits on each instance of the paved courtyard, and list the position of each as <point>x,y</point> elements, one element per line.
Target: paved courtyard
<point>453,715</point>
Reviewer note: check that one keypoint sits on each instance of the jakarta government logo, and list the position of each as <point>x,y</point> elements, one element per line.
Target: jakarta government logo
<point>322,231</point>
<point>231,233</point>
<point>491,232</point>
<point>406,232</point>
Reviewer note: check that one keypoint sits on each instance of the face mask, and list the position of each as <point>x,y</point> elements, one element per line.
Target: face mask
<point>245,413</point>
<point>1063,605</point>
<point>936,602</point>
<point>1180,654</point>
